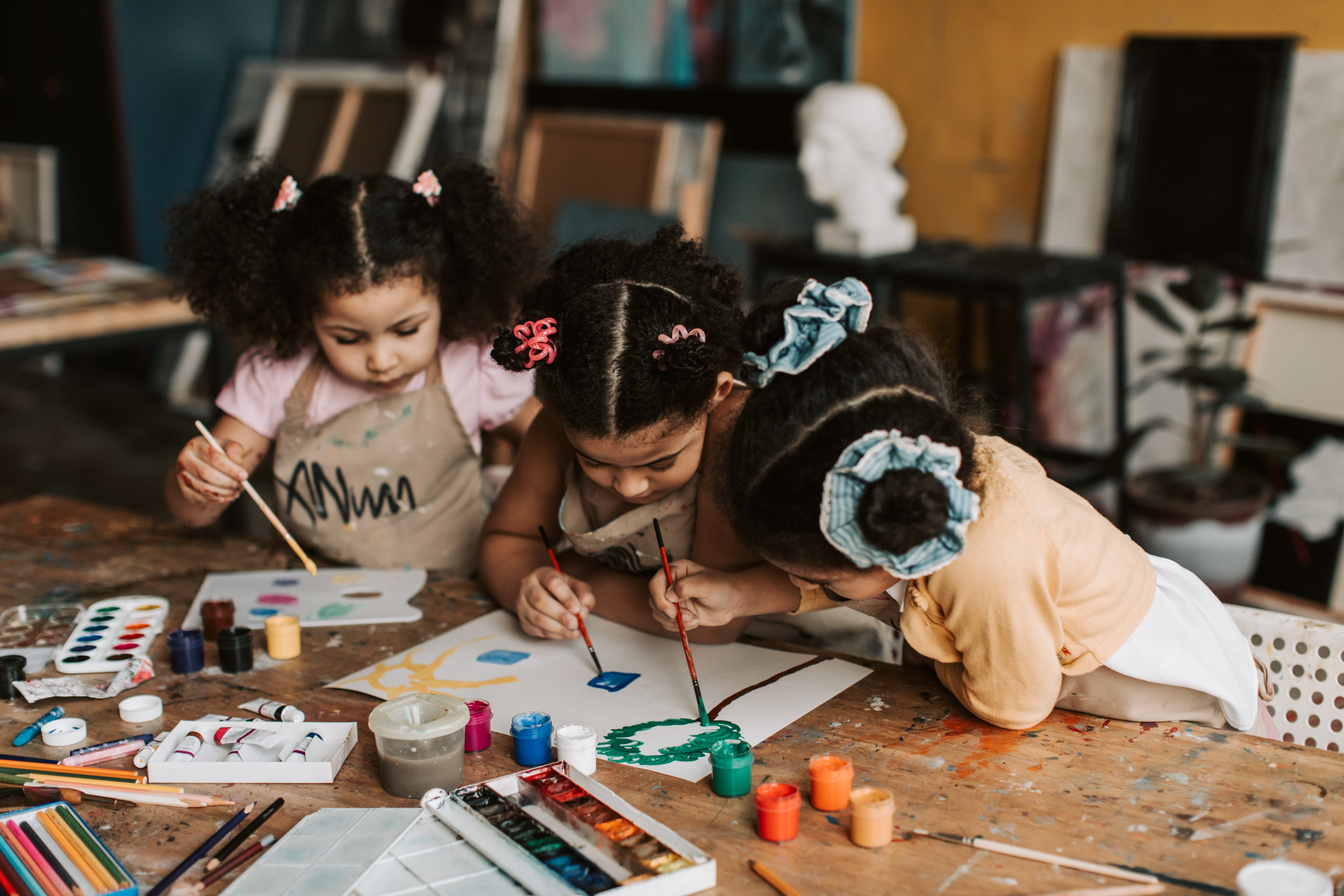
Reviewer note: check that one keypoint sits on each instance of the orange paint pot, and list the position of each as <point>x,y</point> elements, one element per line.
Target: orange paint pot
<point>871,812</point>
<point>777,808</point>
<point>831,777</point>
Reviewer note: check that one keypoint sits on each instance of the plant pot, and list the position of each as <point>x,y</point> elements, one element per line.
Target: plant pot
<point>1216,535</point>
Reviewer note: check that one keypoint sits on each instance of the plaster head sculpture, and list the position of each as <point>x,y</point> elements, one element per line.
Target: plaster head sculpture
<point>851,134</point>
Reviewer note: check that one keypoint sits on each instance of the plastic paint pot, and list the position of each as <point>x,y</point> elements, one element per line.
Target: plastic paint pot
<point>531,738</point>
<point>577,745</point>
<point>282,637</point>
<point>731,763</point>
<point>11,670</point>
<point>216,615</point>
<point>186,650</point>
<point>832,776</point>
<point>1280,877</point>
<point>235,649</point>
<point>478,726</point>
<point>777,808</point>
<point>419,741</point>
<point>871,812</point>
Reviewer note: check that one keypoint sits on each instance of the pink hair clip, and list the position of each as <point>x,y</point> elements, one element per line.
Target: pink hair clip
<point>679,332</point>
<point>428,186</point>
<point>288,196</point>
<point>536,337</point>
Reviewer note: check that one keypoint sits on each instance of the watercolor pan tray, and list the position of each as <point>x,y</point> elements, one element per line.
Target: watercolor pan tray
<point>111,633</point>
<point>696,871</point>
<point>324,758</point>
<point>34,633</point>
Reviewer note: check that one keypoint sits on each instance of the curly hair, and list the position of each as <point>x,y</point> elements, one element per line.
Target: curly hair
<point>611,300</point>
<point>262,274</point>
<point>791,432</point>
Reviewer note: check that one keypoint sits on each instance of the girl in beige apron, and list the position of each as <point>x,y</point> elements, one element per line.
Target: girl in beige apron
<point>390,482</point>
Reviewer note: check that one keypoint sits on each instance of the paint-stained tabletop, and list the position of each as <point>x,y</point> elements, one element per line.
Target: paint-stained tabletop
<point>1186,803</point>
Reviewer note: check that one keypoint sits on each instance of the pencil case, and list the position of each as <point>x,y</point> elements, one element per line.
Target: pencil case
<point>80,852</point>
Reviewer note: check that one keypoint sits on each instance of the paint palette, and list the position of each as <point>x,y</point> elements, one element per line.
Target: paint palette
<point>553,829</point>
<point>34,633</point>
<point>335,596</point>
<point>111,633</point>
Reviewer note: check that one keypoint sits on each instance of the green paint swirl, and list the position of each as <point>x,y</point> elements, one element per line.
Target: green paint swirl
<point>624,745</point>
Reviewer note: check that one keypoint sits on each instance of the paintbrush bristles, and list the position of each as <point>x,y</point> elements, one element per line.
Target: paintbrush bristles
<point>265,509</point>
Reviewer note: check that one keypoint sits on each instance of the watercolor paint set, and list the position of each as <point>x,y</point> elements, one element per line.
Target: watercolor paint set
<point>51,849</point>
<point>109,634</point>
<point>555,830</point>
<point>248,752</point>
<point>34,633</point>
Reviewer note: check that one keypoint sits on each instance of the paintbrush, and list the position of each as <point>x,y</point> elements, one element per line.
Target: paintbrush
<point>270,514</point>
<point>583,629</point>
<point>1022,852</point>
<point>681,627</point>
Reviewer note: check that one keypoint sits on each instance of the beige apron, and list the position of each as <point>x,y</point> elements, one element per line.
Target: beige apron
<point>628,543</point>
<point>390,482</point>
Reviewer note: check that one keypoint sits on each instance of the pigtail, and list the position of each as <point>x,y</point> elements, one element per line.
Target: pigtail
<point>224,248</point>
<point>689,359</point>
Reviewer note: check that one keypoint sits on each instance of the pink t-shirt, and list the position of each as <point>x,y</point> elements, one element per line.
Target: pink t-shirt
<point>484,394</point>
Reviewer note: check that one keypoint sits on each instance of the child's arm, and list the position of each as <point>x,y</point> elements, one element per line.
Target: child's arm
<point>203,481</point>
<point>513,562</point>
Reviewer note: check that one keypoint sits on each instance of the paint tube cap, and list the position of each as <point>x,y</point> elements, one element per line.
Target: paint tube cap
<point>140,708</point>
<point>1280,877</point>
<point>63,732</point>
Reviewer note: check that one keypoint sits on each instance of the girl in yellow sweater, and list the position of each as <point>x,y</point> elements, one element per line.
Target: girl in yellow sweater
<point>852,469</point>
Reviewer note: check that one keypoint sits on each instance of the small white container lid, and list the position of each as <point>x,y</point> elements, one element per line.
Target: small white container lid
<point>1280,877</point>
<point>63,732</point>
<point>140,708</point>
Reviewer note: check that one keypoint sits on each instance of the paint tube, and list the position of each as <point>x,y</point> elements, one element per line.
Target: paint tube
<point>142,758</point>
<point>300,752</point>
<point>274,710</point>
<point>187,749</point>
<point>238,734</point>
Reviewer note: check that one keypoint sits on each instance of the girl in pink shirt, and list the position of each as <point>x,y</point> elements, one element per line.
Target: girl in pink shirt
<point>370,304</point>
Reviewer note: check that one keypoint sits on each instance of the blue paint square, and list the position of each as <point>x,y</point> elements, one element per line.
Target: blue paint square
<point>613,681</point>
<point>502,657</point>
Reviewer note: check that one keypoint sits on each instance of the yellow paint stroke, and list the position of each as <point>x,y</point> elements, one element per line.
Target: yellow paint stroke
<point>347,578</point>
<point>422,675</point>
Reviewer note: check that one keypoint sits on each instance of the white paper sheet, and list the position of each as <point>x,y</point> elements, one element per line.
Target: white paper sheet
<point>491,659</point>
<point>335,596</point>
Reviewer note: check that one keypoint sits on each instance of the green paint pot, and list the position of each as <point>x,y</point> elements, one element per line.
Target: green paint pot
<point>731,762</point>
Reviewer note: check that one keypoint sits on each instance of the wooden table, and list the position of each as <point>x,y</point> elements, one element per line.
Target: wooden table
<point>1190,804</point>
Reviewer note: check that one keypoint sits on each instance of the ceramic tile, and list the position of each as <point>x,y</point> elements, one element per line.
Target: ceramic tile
<point>387,877</point>
<point>385,823</point>
<point>300,850</point>
<point>327,879</point>
<point>332,822</point>
<point>437,865</point>
<point>426,833</point>
<point>491,883</point>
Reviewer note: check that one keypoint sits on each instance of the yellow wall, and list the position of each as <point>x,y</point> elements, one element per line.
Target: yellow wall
<point>974,80</point>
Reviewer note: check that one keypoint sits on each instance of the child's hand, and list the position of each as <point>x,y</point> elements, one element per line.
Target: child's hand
<point>205,476</point>
<point>706,597</point>
<point>550,603</point>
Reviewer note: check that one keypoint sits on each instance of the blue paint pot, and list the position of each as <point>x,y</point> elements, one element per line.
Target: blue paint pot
<point>531,738</point>
<point>186,650</point>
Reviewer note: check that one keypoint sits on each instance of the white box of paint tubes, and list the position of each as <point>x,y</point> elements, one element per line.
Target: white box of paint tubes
<point>235,752</point>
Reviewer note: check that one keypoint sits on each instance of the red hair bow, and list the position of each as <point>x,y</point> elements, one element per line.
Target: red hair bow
<point>536,338</point>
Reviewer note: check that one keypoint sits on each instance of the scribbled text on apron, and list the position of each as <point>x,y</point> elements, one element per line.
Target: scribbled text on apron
<point>315,485</point>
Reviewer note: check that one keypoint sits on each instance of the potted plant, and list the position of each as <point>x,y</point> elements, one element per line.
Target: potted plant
<point>1205,513</point>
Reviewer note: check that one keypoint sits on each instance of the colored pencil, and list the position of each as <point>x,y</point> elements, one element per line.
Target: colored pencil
<point>1122,890</point>
<point>19,867</point>
<point>58,769</point>
<point>44,884</point>
<point>107,754</point>
<point>93,748</point>
<point>769,877</point>
<point>681,627</point>
<point>243,834</point>
<point>40,845</point>
<point>270,514</point>
<point>236,861</point>
<point>75,831</point>
<point>163,885</point>
<point>1021,852</point>
<point>8,756</point>
<point>583,629</point>
<point>5,882</point>
<point>86,864</point>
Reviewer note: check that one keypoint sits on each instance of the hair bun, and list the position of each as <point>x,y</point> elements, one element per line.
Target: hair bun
<point>685,357</point>
<point>506,354</point>
<point>902,509</point>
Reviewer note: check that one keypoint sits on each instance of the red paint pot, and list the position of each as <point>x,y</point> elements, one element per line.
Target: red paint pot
<point>777,808</point>
<point>478,727</point>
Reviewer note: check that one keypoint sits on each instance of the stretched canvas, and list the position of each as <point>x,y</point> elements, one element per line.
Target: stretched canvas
<point>643,709</point>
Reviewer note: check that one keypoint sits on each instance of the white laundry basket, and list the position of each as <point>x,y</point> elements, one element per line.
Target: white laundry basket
<point>1305,658</point>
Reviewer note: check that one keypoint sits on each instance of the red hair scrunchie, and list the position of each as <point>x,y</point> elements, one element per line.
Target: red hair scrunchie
<point>536,338</point>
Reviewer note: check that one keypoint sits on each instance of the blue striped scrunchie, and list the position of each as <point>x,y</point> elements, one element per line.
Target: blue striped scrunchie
<point>821,319</point>
<point>864,462</point>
